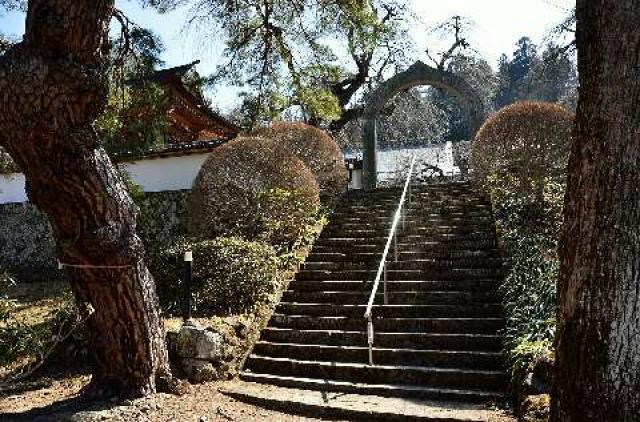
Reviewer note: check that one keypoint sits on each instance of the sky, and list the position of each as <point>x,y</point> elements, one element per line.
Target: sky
<point>498,24</point>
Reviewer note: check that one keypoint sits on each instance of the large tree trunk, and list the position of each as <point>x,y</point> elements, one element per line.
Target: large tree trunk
<point>598,341</point>
<point>52,87</point>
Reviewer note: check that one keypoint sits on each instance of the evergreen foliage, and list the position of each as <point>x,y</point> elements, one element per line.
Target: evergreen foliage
<point>284,54</point>
<point>231,275</point>
<point>520,156</point>
<point>135,117</point>
<point>530,75</point>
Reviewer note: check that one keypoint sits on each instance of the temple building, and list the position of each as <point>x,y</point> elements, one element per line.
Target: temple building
<point>191,120</point>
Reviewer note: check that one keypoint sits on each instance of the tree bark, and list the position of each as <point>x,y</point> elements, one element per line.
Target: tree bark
<point>598,340</point>
<point>53,85</point>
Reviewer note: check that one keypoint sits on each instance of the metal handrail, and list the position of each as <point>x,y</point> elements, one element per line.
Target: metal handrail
<point>382,268</point>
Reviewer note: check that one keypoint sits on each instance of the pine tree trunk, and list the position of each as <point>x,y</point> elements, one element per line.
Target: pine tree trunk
<point>598,341</point>
<point>52,87</point>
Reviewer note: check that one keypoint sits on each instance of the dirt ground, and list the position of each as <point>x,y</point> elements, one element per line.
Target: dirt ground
<point>57,400</point>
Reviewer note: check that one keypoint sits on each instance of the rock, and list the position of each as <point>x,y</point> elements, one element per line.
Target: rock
<point>539,380</point>
<point>195,342</point>
<point>198,352</point>
<point>198,371</point>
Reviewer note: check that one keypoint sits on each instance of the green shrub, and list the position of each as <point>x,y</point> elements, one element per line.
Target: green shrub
<point>520,157</point>
<point>315,147</point>
<point>529,291</point>
<point>525,213</point>
<point>250,188</point>
<point>527,140</point>
<point>524,356</point>
<point>230,275</point>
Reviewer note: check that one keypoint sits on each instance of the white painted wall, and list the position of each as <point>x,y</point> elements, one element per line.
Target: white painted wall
<point>153,175</point>
<point>165,174</point>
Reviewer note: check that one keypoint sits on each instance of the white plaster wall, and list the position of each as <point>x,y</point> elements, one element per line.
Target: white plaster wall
<point>165,174</point>
<point>152,175</point>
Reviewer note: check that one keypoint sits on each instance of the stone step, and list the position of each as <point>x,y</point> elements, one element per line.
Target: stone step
<point>456,193</point>
<point>401,264</point>
<point>380,374</point>
<point>486,310</point>
<point>395,325</point>
<point>381,356</point>
<point>340,231</point>
<point>352,406</point>
<point>418,341</point>
<point>393,275</point>
<point>425,219</point>
<point>418,238</point>
<point>388,214</point>
<point>418,201</point>
<point>383,390</point>
<point>318,255</point>
<point>394,297</point>
<point>415,209</point>
<point>378,244</point>
<point>410,225</point>
<point>488,285</point>
<point>407,238</point>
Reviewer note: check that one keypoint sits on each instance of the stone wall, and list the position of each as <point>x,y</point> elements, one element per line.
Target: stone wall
<point>26,242</point>
<point>27,247</point>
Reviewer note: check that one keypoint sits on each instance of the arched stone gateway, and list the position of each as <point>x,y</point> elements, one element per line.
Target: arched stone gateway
<point>418,74</point>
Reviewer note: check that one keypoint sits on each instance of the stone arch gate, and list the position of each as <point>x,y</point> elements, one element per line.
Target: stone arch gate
<point>418,74</point>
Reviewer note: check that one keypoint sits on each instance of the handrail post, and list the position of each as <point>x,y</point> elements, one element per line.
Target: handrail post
<point>384,285</point>
<point>395,247</point>
<point>404,216</point>
<point>370,339</point>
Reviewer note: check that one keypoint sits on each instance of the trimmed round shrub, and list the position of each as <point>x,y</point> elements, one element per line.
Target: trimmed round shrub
<point>230,275</point>
<point>528,141</point>
<point>520,156</point>
<point>250,187</point>
<point>315,147</point>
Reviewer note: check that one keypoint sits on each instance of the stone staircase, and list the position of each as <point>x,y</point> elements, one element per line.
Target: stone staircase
<point>437,339</point>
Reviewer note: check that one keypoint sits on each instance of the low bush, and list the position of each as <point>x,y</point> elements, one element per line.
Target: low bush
<point>230,275</point>
<point>529,291</point>
<point>532,367</point>
<point>529,231</point>
<point>520,156</point>
<point>528,141</point>
<point>250,188</point>
<point>315,147</point>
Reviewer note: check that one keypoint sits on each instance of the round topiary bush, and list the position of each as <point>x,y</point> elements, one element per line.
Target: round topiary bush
<point>230,275</point>
<point>315,147</point>
<point>520,156</point>
<point>252,188</point>
<point>528,141</point>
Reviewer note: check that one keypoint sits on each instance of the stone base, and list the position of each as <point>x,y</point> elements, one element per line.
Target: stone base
<point>197,352</point>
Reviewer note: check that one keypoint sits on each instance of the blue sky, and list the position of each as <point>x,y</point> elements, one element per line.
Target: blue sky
<point>498,25</point>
